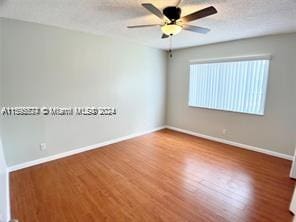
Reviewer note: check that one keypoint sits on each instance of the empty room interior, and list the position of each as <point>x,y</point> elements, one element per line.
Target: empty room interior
<point>155,110</point>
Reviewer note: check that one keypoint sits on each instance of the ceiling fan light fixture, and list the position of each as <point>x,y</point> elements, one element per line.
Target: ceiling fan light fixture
<point>171,29</point>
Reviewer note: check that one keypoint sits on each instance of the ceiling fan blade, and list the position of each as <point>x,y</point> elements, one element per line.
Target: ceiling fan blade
<point>142,26</point>
<point>197,29</point>
<point>200,14</point>
<point>151,8</point>
<point>164,36</point>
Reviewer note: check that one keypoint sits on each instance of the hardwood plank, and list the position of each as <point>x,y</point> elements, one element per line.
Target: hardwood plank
<point>163,176</point>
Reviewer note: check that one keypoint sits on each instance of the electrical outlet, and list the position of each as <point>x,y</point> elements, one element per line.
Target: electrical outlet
<point>224,131</point>
<point>42,147</point>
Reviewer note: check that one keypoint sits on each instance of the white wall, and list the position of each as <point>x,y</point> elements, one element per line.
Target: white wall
<point>4,206</point>
<point>4,189</point>
<point>48,66</point>
<point>273,131</point>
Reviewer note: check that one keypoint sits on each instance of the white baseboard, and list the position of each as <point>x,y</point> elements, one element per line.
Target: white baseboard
<point>98,145</point>
<point>293,168</point>
<point>79,150</point>
<point>8,216</point>
<point>240,145</point>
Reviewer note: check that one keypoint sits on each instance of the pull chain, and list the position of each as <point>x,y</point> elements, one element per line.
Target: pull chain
<point>171,44</point>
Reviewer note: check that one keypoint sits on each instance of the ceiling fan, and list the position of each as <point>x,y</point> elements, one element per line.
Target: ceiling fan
<point>171,21</point>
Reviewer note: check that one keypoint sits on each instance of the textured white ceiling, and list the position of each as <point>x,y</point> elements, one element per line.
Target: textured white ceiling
<point>236,19</point>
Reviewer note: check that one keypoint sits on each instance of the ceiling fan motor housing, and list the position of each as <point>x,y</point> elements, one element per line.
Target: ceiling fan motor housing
<point>172,13</point>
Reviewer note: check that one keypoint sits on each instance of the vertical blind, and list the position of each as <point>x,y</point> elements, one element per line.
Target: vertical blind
<point>238,86</point>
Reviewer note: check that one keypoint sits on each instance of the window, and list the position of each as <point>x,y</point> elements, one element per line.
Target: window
<point>232,85</point>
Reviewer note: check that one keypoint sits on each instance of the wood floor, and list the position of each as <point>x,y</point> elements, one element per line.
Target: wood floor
<point>163,176</point>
